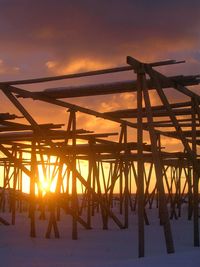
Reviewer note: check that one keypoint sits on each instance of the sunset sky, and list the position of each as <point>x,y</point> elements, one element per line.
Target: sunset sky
<point>130,166</point>
<point>50,37</point>
<point>46,38</point>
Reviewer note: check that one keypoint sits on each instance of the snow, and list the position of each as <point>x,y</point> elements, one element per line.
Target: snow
<point>95,247</point>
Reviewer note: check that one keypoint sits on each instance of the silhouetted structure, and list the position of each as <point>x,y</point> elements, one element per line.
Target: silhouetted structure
<point>26,148</point>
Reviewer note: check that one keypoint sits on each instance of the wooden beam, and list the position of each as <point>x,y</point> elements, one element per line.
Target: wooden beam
<point>88,73</point>
<point>64,104</point>
<point>156,158</point>
<point>132,113</point>
<point>158,169</point>
<point>179,131</point>
<point>140,164</point>
<point>41,134</point>
<point>195,181</point>
<point>111,88</point>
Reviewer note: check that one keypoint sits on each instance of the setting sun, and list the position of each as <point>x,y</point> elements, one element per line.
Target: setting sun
<point>44,186</point>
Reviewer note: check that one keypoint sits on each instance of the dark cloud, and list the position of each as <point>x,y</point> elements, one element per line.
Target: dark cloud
<point>37,31</point>
<point>47,37</point>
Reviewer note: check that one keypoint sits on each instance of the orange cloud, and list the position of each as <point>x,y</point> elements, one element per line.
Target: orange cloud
<point>5,68</point>
<point>77,65</point>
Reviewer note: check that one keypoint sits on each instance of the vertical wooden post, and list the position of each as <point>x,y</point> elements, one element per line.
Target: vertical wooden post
<point>179,204</point>
<point>195,181</point>
<point>120,189</point>
<point>74,188</point>
<point>95,169</point>
<point>4,187</point>
<point>88,192</point>
<point>190,195</point>
<point>94,188</point>
<point>136,183</point>
<point>58,188</point>
<point>67,187</point>
<point>32,189</point>
<point>15,171</point>
<point>20,185</point>
<point>52,219</point>
<point>126,177</point>
<point>159,175</point>
<point>140,167</point>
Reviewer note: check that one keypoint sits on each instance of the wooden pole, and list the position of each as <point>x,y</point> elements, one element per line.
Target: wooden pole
<point>140,164</point>
<point>74,186</point>
<point>89,199</point>
<point>126,177</point>
<point>32,189</point>
<point>195,182</point>
<point>158,169</point>
<point>15,177</point>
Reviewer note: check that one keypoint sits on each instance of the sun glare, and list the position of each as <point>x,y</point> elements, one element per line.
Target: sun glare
<point>44,186</point>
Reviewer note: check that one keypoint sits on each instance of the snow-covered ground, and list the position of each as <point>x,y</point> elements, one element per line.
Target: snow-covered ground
<point>96,247</point>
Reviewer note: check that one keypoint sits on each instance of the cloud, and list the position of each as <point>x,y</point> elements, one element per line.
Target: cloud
<point>98,31</point>
<point>7,69</point>
<point>171,144</point>
<point>77,65</point>
<point>51,38</point>
<point>97,125</point>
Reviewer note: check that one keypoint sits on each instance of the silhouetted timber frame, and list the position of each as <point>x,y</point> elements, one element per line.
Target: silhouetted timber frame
<point>126,159</point>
